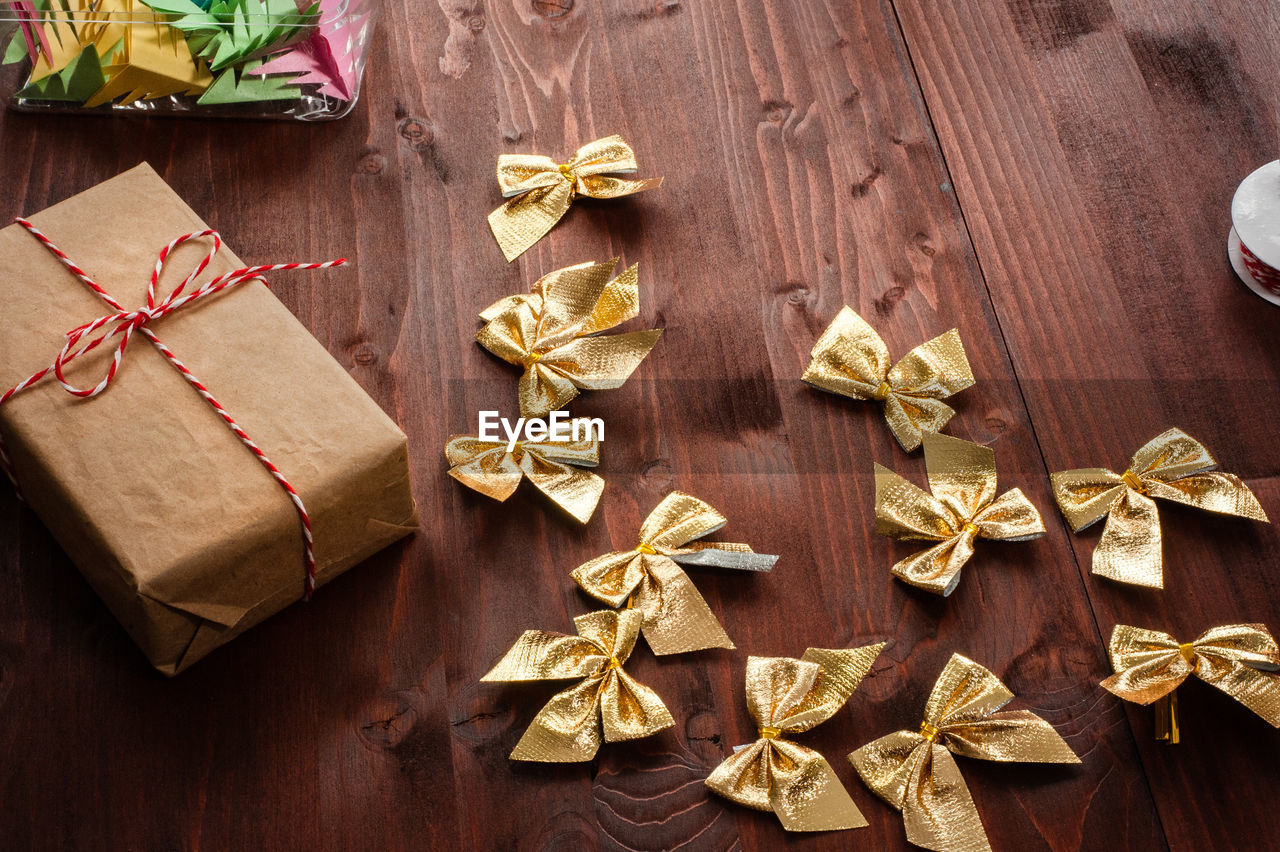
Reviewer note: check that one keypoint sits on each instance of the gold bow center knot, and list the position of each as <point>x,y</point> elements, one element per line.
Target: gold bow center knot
<point>563,320</point>
<point>649,577</point>
<point>536,199</point>
<point>962,488</point>
<point>605,704</point>
<point>1172,466</point>
<point>786,694</point>
<point>925,782</point>
<point>1131,479</point>
<point>1241,660</point>
<point>851,359</point>
<point>552,465</point>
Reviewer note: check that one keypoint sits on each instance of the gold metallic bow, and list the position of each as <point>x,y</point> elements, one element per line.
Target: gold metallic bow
<point>553,333</point>
<point>1240,659</point>
<point>489,468</point>
<point>1172,466</point>
<point>541,190</point>
<point>568,728</point>
<point>787,696</point>
<point>915,772</point>
<point>850,359</point>
<point>963,507</point>
<point>676,618</point>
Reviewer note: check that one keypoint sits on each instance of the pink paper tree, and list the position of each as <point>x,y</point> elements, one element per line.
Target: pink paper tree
<point>333,56</point>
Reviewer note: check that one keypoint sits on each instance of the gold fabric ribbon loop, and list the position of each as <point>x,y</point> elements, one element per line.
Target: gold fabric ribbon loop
<point>676,617</point>
<point>540,190</point>
<point>962,508</point>
<point>1242,660</point>
<point>607,705</point>
<point>916,773</point>
<point>788,696</point>
<point>850,359</point>
<point>554,334</point>
<point>1172,466</point>
<point>552,467</point>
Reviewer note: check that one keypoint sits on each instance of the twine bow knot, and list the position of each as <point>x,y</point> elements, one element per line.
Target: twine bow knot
<point>541,190</point>
<point>1242,660</point>
<point>852,360</point>
<point>789,696</point>
<point>916,773</point>
<point>1172,466</point>
<point>123,323</point>
<point>676,617</point>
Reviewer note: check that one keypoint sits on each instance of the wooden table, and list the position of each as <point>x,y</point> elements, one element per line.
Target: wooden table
<point>1052,177</point>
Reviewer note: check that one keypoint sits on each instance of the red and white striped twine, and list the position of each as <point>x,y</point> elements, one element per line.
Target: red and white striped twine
<point>123,324</point>
<point>1264,273</point>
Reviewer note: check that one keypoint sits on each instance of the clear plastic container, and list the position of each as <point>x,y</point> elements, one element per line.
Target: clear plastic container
<point>299,59</point>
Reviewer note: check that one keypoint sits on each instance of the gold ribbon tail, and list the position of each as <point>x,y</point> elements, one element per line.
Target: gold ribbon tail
<point>1167,719</point>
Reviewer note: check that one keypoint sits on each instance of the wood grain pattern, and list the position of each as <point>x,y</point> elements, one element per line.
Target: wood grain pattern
<point>1121,130</point>
<point>809,150</point>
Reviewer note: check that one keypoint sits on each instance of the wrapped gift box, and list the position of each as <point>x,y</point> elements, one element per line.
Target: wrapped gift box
<point>172,520</point>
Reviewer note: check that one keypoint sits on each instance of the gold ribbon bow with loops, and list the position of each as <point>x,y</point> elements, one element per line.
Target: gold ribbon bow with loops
<point>962,508</point>
<point>1242,660</point>
<point>915,772</point>
<point>553,333</point>
<point>788,696</point>
<point>608,704</point>
<point>850,359</point>
<point>676,617</point>
<point>540,189</point>
<point>1172,466</point>
<point>551,465</point>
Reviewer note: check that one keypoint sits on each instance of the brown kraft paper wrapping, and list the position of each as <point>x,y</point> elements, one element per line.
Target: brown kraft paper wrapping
<point>172,520</point>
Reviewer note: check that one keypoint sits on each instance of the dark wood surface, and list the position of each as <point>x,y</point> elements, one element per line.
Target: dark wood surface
<point>1052,177</point>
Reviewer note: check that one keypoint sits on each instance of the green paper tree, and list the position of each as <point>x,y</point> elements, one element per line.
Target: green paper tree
<point>77,82</point>
<point>17,49</point>
<point>229,32</point>
<point>237,85</point>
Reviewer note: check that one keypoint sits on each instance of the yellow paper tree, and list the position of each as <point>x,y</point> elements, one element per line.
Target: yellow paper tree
<point>154,61</point>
